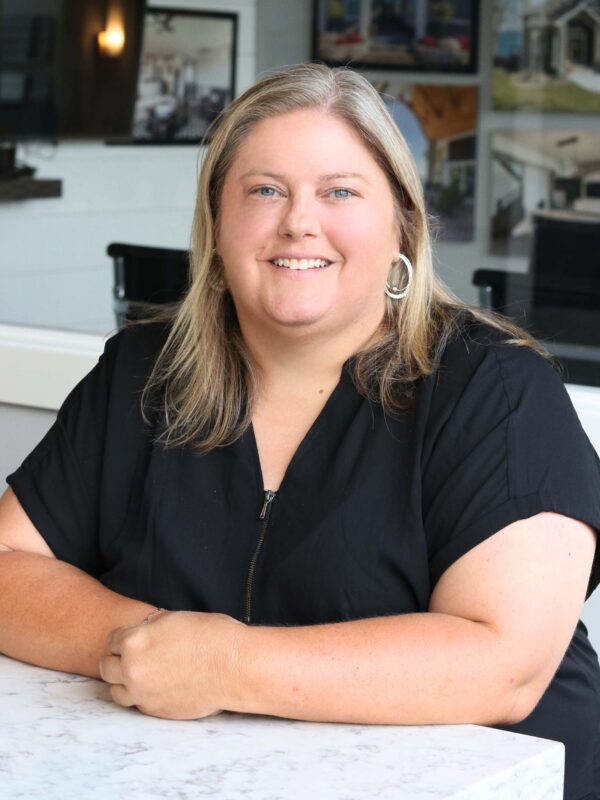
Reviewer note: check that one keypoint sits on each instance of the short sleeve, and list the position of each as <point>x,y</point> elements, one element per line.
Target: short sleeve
<point>504,443</point>
<point>58,484</point>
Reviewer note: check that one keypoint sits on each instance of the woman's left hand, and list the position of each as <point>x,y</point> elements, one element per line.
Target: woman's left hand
<point>179,666</point>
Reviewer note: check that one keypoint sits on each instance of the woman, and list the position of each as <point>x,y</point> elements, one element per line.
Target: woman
<point>367,501</point>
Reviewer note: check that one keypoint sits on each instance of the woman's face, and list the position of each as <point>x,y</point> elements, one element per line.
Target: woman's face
<point>304,186</point>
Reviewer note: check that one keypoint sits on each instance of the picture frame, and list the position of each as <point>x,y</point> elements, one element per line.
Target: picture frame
<point>439,124</point>
<point>546,56</point>
<point>186,74</point>
<point>423,36</point>
<point>537,172</point>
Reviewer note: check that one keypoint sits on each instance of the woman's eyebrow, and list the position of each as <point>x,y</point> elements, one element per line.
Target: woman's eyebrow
<point>332,176</point>
<point>341,175</point>
<point>259,173</point>
<point>321,178</point>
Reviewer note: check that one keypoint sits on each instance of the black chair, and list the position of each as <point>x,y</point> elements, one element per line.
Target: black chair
<point>146,277</point>
<point>558,300</point>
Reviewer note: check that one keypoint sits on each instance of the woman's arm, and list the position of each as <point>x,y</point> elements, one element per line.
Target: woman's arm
<point>499,623</point>
<point>51,613</point>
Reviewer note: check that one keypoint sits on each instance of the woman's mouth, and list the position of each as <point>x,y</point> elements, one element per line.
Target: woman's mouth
<point>301,263</point>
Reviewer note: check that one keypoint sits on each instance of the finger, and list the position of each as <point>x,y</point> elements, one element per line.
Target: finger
<point>166,713</point>
<point>153,713</point>
<point>121,695</point>
<point>111,669</point>
<point>117,637</point>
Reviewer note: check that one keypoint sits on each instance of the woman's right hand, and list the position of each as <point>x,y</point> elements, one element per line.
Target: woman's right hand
<point>182,665</point>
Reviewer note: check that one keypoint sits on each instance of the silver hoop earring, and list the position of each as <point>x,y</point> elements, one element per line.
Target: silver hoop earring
<point>392,290</point>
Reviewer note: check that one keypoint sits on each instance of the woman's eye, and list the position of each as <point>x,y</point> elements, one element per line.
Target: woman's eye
<point>265,191</point>
<point>341,194</point>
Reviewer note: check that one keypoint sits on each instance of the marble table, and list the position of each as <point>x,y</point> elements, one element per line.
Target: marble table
<point>62,737</point>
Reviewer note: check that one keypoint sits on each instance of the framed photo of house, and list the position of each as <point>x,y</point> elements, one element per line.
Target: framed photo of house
<point>540,172</point>
<point>186,74</point>
<point>423,35</point>
<point>547,56</point>
<point>439,123</point>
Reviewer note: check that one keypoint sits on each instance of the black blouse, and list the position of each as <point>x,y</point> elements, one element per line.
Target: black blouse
<point>371,512</point>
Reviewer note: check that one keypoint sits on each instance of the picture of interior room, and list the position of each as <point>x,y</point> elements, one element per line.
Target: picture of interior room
<point>540,173</point>
<point>440,126</point>
<point>186,74</point>
<point>544,199</point>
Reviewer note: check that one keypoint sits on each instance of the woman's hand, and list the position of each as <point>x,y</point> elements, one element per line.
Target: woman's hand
<point>177,667</point>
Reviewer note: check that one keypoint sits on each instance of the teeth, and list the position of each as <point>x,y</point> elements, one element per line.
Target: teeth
<point>303,263</point>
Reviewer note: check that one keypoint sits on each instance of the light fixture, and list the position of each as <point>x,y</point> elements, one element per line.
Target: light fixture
<point>112,41</point>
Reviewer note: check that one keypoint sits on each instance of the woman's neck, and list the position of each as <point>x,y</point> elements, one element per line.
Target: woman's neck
<point>296,364</point>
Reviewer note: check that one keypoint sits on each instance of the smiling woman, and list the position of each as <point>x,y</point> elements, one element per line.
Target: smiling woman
<point>306,253</point>
<point>338,475</point>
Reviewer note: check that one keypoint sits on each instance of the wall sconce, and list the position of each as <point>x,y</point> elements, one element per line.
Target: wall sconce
<point>111,41</point>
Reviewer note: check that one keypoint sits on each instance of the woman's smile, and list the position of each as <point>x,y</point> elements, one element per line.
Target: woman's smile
<point>301,262</point>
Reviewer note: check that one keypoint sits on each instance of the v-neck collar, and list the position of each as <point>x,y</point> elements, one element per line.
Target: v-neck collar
<point>312,436</point>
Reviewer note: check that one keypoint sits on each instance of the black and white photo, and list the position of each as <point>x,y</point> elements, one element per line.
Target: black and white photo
<point>186,76</point>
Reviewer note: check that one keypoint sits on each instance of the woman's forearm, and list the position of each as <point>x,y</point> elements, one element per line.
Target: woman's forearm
<point>411,669</point>
<point>54,615</point>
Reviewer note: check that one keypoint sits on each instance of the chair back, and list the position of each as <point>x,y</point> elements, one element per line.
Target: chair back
<point>146,277</point>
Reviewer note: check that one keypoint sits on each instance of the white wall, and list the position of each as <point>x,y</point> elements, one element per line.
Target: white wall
<point>22,429</point>
<point>54,270</point>
<point>283,31</point>
<point>586,400</point>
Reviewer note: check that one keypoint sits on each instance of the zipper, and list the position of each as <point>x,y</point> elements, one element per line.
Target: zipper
<point>263,519</point>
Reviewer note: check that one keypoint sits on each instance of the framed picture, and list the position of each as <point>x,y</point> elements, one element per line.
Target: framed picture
<point>540,172</point>
<point>186,74</point>
<point>546,56</point>
<point>427,35</point>
<point>439,123</point>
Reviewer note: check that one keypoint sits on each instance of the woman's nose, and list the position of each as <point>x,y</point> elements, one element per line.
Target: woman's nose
<point>300,218</point>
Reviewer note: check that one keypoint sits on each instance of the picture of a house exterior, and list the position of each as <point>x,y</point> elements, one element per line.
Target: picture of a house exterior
<point>547,55</point>
<point>562,35</point>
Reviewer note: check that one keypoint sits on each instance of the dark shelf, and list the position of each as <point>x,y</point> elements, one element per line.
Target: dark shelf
<point>28,188</point>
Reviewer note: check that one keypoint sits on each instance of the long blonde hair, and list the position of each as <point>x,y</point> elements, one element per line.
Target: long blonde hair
<point>203,383</point>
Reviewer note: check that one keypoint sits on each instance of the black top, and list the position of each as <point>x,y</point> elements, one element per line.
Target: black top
<point>371,512</point>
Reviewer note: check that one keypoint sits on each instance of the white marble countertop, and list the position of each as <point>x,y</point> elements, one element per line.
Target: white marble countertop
<point>63,737</point>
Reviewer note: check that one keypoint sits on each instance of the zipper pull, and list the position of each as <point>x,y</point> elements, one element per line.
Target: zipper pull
<point>269,497</point>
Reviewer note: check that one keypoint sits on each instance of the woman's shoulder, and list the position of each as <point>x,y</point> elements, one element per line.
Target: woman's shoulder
<point>475,342</point>
<point>486,361</point>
